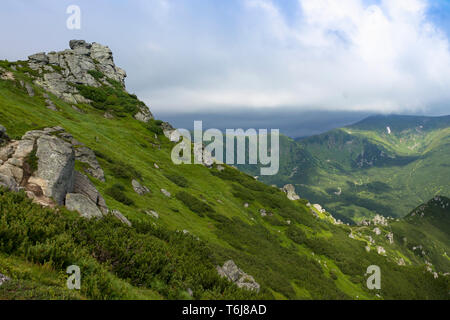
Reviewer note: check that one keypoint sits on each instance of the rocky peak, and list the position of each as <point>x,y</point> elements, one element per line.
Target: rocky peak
<point>88,64</point>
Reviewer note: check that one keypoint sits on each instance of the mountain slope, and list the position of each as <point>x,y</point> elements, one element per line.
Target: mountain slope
<point>212,215</point>
<point>383,164</point>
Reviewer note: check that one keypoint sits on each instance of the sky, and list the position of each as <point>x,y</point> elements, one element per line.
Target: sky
<point>187,58</point>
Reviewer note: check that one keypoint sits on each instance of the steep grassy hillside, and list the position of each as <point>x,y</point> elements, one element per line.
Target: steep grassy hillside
<point>289,251</point>
<point>382,165</point>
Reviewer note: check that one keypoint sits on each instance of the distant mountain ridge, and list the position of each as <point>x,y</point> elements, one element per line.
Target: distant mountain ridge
<point>381,165</point>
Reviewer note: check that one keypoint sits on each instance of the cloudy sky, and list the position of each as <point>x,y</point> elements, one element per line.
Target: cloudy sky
<point>257,56</point>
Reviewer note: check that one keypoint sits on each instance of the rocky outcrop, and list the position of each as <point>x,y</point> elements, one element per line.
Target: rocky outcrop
<point>42,164</point>
<point>138,188</point>
<point>84,186</point>
<point>89,64</point>
<point>239,277</point>
<point>377,220</point>
<point>56,161</point>
<point>83,205</point>
<point>87,156</point>
<point>289,189</point>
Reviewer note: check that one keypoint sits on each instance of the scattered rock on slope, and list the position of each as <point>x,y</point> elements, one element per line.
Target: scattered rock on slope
<point>121,217</point>
<point>239,277</point>
<point>138,188</point>
<point>3,279</point>
<point>289,189</point>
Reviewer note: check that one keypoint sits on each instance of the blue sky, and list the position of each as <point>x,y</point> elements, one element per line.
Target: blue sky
<point>198,56</point>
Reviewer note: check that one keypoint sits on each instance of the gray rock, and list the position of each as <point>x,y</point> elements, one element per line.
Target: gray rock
<point>8,182</point>
<point>289,189</point>
<point>73,67</point>
<point>3,136</point>
<point>153,214</point>
<point>83,205</point>
<point>121,217</point>
<point>86,155</point>
<point>76,44</point>
<point>29,89</point>
<point>3,279</point>
<point>84,186</point>
<point>144,115</point>
<point>55,165</point>
<point>166,193</point>
<point>138,188</point>
<point>239,277</point>
<point>39,58</point>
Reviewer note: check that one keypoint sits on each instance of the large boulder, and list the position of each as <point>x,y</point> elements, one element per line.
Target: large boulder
<point>83,205</point>
<point>56,166</point>
<point>8,182</point>
<point>231,271</point>
<point>84,186</point>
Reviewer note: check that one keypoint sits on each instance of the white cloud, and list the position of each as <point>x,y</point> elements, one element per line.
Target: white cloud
<point>342,55</point>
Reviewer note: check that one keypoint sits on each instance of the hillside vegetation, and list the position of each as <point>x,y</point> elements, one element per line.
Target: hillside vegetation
<point>211,215</point>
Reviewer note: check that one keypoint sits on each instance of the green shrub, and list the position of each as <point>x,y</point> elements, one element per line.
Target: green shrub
<point>177,179</point>
<point>193,203</point>
<point>117,192</point>
<point>96,74</point>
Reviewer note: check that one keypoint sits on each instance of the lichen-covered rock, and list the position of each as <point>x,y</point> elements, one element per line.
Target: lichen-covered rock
<point>83,205</point>
<point>289,189</point>
<point>8,182</point>
<point>56,166</point>
<point>138,188</point>
<point>83,185</point>
<point>231,271</point>
<point>60,70</point>
<point>87,156</point>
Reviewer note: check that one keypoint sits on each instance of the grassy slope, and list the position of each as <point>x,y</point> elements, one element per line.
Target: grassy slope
<point>309,259</point>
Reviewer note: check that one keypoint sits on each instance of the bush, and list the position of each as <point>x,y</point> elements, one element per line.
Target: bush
<point>123,170</point>
<point>117,192</point>
<point>96,74</point>
<point>177,179</point>
<point>194,204</point>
